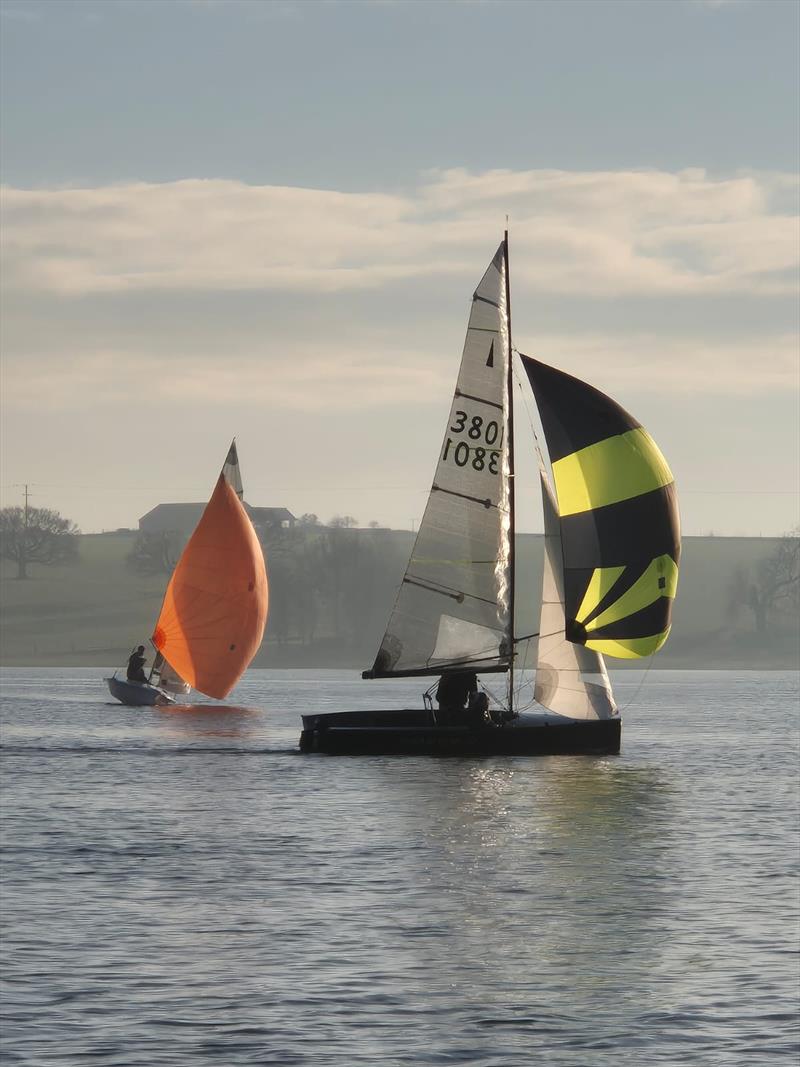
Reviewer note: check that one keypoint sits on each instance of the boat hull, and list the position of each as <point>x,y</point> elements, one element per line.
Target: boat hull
<point>137,694</point>
<point>415,733</point>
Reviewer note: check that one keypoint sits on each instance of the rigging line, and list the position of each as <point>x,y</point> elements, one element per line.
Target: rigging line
<point>642,680</point>
<point>527,637</point>
<point>196,488</point>
<point>526,406</point>
<point>740,492</point>
<point>523,683</point>
<point>97,487</point>
<point>501,702</point>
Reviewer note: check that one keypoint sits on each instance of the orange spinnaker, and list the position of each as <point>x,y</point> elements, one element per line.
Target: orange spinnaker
<point>215,607</point>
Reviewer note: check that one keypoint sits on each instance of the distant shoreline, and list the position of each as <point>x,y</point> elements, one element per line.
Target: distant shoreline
<point>93,612</point>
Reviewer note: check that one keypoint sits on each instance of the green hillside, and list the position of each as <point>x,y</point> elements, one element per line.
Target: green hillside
<point>331,592</point>
<point>89,612</point>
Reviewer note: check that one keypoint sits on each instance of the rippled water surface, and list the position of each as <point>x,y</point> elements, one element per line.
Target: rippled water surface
<point>181,887</point>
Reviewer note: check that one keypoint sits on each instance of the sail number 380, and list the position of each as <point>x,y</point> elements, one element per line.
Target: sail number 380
<point>466,453</point>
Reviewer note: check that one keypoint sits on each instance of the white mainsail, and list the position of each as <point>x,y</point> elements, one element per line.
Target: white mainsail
<point>570,679</point>
<point>453,607</point>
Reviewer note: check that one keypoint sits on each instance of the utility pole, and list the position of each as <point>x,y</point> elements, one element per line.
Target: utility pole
<point>22,562</point>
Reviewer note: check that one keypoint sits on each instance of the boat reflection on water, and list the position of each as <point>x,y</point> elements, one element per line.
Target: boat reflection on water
<point>556,864</point>
<point>210,720</point>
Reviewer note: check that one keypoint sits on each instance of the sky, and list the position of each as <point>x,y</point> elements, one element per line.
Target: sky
<point>267,220</point>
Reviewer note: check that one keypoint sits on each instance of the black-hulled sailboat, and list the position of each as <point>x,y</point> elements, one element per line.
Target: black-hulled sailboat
<point>612,546</point>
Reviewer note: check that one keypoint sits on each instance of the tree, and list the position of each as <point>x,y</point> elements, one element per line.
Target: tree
<point>36,535</point>
<point>774,587</point>
<point>155,553</point>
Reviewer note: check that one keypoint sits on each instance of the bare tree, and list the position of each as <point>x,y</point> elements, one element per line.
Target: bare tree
<point>774,586</point>
<point>154,553</point>
<point>342,522</point>
<point>36,535</point>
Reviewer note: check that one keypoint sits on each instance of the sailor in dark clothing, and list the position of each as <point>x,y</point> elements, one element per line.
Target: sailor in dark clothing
<point>455,692</point>
<point>136,666</point>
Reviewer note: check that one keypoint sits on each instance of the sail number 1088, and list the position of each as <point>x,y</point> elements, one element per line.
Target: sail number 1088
<point>466,453</point>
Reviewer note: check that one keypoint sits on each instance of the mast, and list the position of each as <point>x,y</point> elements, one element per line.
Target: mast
<point>511,493</point>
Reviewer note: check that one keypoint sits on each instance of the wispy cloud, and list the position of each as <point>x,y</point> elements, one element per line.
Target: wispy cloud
<point>326,326</point>
<point>606,233</point>
<point>267,10</point>
<point>717,4</point>
<point>14,13</point>
<point>220,291</point>
<point>352,377</point>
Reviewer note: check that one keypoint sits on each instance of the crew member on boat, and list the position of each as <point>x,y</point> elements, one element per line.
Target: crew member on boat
<point>136,662</point>
<point>457,696</point>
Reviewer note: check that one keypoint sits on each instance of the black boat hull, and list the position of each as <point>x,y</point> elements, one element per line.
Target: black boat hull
<point>415,733</point>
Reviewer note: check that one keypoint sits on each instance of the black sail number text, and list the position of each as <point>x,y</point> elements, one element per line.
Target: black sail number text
<point>467,451</point>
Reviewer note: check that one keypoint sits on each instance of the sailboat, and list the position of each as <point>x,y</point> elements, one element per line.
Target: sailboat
<point>214,611</point>
<point>611,554</point>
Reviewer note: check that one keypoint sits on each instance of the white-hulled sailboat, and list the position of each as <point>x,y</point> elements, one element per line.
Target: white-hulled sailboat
<point>612,546</point>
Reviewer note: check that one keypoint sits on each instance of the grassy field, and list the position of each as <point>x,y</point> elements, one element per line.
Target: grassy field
<point>89,612</point>
<point>94,611</point>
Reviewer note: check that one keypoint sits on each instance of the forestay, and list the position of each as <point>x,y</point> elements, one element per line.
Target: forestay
<point>452,609</point>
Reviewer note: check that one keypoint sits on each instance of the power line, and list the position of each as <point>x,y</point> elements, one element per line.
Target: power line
<point>295,488</point>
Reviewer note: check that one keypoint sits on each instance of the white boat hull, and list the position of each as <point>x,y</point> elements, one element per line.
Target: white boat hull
<point>137,694</point>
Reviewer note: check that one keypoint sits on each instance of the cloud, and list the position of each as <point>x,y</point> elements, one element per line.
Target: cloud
<point>354,376</point>
<point>602,233</point>
<point>719,3</point>
<point>647,362</point>
<point>224,296</point>
<point>144,324</point>
<point>20,14</point>
<point>336,378</point>
<point>275,9</point>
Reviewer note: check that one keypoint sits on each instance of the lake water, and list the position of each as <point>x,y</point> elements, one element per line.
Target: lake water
<point>182,888</point>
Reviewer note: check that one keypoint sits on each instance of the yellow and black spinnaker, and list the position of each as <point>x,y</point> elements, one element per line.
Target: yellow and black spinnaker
<point>620,528</point>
